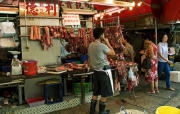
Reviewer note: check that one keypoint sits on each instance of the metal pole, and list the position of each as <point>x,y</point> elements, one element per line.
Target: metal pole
<point>155,30</point>
<point>20,94</point>
<point>101,16</point>
<point>118,21</point>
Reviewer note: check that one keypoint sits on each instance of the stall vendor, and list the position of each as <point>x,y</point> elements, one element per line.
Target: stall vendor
<point>97,53</point>
<point>128,52</point>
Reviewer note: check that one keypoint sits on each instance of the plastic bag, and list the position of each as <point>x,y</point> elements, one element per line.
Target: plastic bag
<point>7,29</point>
<point>130,111</point>
<point>131,74</point>
<point>7,42</point>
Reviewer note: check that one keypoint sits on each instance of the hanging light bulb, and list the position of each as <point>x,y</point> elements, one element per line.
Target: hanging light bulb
<point>139,3</point>
<point>110,14</point>
<point>97,15</point>
<point>130,8</point>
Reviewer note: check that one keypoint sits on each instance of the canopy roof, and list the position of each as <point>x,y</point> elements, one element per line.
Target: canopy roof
<point>170,11</point>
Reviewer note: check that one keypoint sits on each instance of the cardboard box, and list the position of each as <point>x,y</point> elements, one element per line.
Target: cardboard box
<point>175,76</point>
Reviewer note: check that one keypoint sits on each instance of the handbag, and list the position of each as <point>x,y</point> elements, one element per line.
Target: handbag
<point>146,64</point>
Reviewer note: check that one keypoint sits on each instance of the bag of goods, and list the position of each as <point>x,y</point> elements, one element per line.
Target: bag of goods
<point>7,29</point>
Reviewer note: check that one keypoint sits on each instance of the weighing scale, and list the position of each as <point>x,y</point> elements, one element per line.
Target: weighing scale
<point>16,68</point>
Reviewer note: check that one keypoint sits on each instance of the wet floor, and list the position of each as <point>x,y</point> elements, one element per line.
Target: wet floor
<point>139,100</point>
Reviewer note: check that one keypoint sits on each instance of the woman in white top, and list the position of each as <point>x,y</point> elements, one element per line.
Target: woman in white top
<point>163,62</point>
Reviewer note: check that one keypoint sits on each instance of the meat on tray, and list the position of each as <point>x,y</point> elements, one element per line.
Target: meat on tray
<point>68,66</point>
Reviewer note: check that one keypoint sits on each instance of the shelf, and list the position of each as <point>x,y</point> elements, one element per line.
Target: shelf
<point>87,20</point>
<point>24,35</point>
<point>35,25</point>
<point>4,5</point>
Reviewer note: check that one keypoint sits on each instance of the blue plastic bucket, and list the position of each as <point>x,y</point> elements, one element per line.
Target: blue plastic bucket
<point>83,58</point>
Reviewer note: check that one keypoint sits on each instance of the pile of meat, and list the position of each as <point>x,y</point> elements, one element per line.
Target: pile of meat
<point>76,42</point>
<point>68,66</point>
<point>79,43</point>
<point>111,33</point>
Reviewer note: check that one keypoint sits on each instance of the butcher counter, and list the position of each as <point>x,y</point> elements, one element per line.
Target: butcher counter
<point>33,89</point>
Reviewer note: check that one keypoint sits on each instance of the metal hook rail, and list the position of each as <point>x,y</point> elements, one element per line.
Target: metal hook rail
<point>109,22</point>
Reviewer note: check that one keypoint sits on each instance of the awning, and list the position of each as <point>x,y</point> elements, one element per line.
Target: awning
<point>137,12</point>
<point>130,15</point>
<point>170,11</point>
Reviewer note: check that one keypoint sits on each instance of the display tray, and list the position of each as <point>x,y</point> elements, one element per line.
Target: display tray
<point>35,101</point>
<point>14,52</point>
<point>59,72</point>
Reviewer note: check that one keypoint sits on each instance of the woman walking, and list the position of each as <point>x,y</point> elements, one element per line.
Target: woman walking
<point>163,62</point>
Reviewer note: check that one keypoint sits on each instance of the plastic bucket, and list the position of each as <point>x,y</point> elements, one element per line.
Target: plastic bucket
<point>83,58</point>
<point>167,110</point>
<point>30,67</point>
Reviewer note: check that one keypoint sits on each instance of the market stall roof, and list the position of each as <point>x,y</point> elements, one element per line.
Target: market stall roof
<point>130,15</point>
<point>170,11</point>
<point>137,11</point>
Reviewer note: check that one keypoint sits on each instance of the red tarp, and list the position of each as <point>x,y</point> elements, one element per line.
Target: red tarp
<point>171,11</point>
<point>137,11</point>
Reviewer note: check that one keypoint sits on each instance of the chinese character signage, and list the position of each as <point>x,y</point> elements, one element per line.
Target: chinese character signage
<point>48,9</point>
<point>75,5</point>
<point>70,19</point>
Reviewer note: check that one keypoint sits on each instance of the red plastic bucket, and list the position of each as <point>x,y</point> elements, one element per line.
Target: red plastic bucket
<point>30,67</point>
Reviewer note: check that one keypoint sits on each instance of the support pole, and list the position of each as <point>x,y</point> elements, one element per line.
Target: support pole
<point>101,16</point>
<point>118,21</point>
<point>155,30</point>
<point>20,93</point>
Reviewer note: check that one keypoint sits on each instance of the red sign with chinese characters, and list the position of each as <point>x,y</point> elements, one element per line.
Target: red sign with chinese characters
<point>70,19</point>
<point>49,9</point>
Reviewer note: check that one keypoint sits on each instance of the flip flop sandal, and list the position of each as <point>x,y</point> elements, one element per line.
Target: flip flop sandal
<point>157,91</point>
<point>151,92</point>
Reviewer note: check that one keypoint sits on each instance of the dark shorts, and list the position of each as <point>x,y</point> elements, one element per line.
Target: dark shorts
<point>102,84</point>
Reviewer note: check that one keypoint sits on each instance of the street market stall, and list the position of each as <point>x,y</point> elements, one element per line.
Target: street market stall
<point>54,35</point>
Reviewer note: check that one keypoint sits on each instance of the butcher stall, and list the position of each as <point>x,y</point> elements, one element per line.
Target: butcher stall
<point>52,39</point>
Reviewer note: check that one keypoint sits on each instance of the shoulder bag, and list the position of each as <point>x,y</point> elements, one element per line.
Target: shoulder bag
<point>146,64</point>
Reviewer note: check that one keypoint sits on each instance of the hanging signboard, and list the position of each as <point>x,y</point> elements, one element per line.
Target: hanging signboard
<point>75,5</point>
<point>48,9</point>
<point>70,19</point>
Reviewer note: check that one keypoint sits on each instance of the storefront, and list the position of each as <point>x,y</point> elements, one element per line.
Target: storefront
<point>51,38</point>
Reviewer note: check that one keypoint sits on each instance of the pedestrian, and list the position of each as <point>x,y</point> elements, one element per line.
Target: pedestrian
<point>151,74</point>
<point>128,52</point>
<point>163,62</point>
<point>97,60</point>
